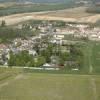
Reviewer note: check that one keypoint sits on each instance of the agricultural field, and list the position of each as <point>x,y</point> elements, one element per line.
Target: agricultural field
<point>18,83</point>
<point>37,86</point>
<point>7,73</point>
<point>91,51</point>
<point>15,8</point>
<point>76,15</point>
<point>91,57</point>
<point>95,57</point>
<point>91,61</point>
<point>76,12</point>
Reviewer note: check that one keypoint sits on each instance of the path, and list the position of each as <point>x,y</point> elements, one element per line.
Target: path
<point>94,90</point>
<point>90,57</point>
<point>3,84</point>
<point>20,76</point>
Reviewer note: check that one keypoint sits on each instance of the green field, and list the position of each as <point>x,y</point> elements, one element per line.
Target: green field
<point>95,58</point>
<point>36,86</point>
<point>24,84</point>
<point>94,9</point>
<point>92,57</point>
<point>91,50</point>
<point>14,9</point>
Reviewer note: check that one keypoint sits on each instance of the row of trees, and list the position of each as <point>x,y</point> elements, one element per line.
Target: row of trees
<point>77,56</point>
<point>66,60</point>
<point>72,59</point>
<point>25,59</point>
<point>7,34</point>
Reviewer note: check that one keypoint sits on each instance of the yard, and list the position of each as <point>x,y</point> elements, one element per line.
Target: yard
<point>43,86</point>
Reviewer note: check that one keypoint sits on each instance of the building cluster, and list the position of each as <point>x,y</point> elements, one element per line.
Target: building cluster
<point>56,35</point>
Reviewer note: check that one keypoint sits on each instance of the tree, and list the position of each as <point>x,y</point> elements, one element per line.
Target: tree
<point>11,61</point>
<point>76,56</point>
<point>32,63</point>
<point>3,23</point>
<point>64,56</point>
<point>46,54</point>
<point>21,59</point>
<point>40,61</point>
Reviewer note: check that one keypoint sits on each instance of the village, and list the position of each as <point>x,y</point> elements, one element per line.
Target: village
<point>52,36</point>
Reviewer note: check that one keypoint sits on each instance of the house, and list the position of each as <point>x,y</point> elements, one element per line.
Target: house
<point>43,29</point>
<point>59,36</point>
<point>46,65</point>
<point>71,64</point>
<point>32,52</point>
<point>3,47</point>
<point>75,69</point>
<point>54,60</point>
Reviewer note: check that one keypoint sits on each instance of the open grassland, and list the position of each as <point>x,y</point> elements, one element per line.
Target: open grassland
<point>91,61</point>
<point>86,61</point>
<point>15,8</point>
<point>91,51</point>
<point>7,73</point>
<point>35,86</point>
<point>95,58</point>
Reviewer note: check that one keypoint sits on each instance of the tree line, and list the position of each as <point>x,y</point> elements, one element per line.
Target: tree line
<point>64,60</point>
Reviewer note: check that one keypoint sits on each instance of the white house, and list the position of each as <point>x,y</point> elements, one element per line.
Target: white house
<point>46,65</point>
<point>32,52</point>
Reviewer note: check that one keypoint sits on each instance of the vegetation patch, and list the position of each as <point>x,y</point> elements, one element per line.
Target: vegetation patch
<point>32,8</point>
<point>94,9</point>
<point>96,57</point>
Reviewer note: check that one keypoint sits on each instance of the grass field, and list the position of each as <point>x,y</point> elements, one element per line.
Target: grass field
<point>96,57</point>
<point>19,84</point>
<point>35,86</point>
<point>91,50</point>
<point>92,57</point>
<point>26,8</point>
